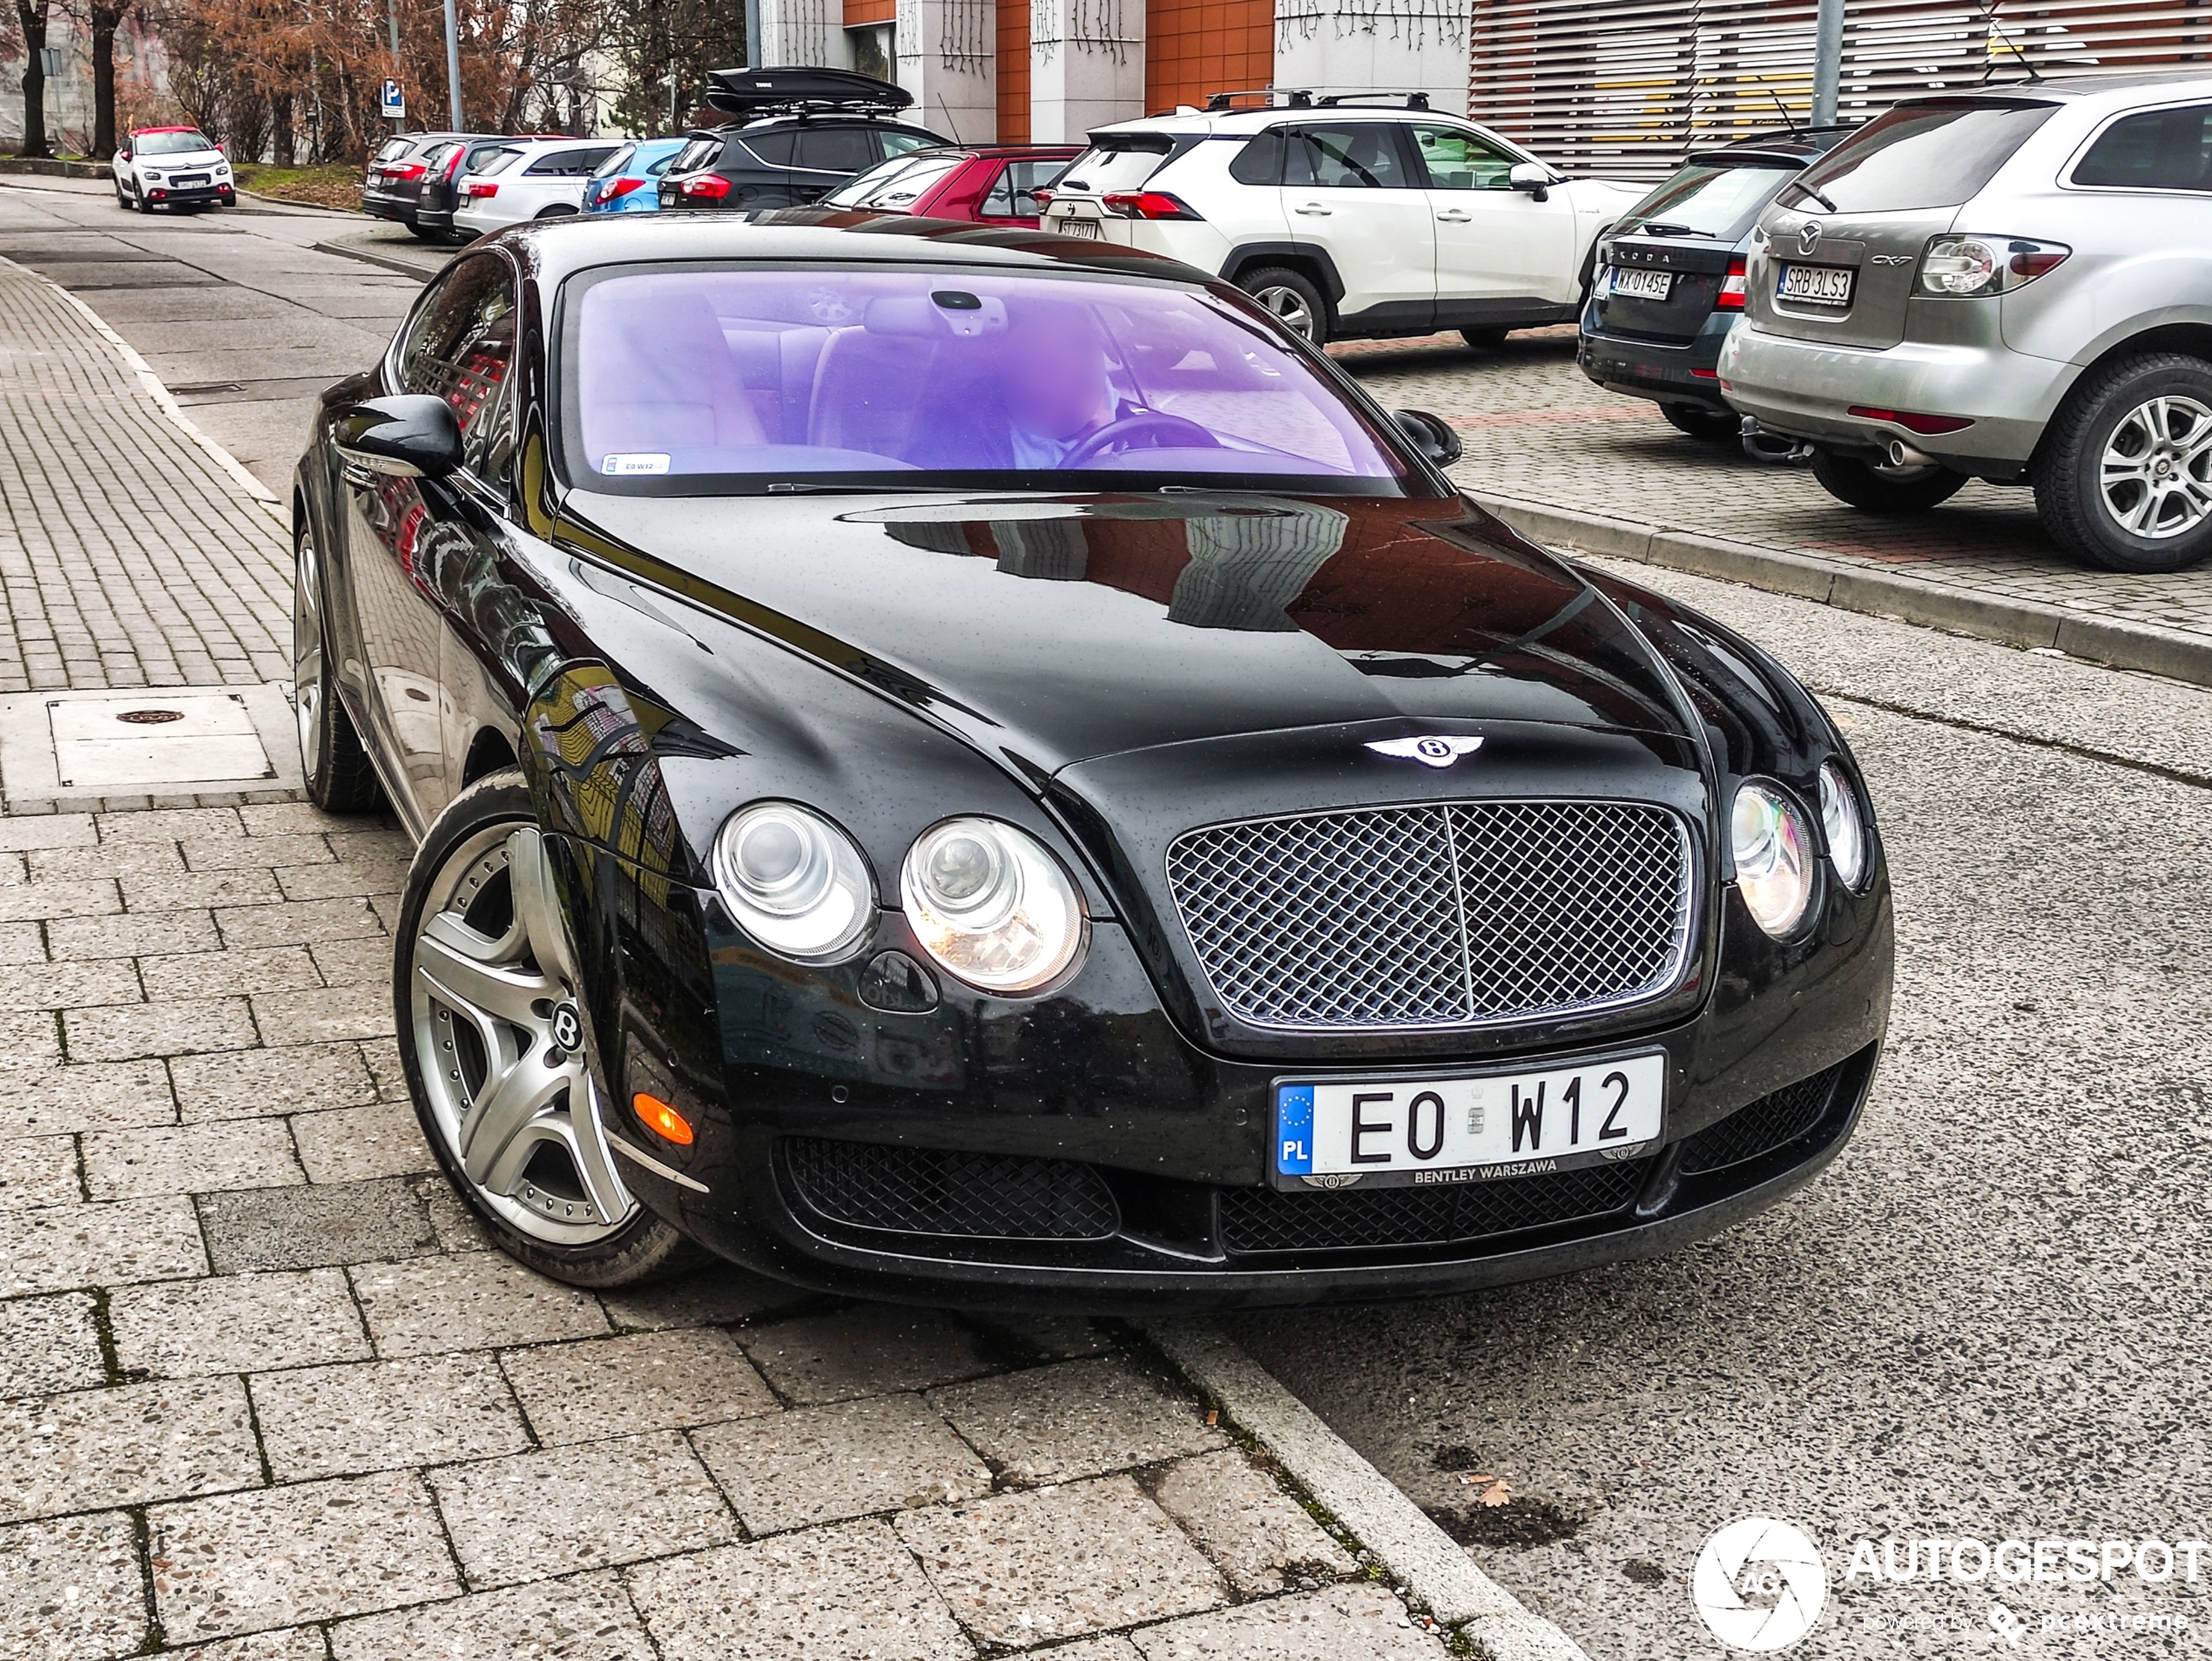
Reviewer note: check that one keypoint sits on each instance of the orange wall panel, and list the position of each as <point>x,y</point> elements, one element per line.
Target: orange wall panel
<point>860,11</point>
<point>1013,71</point>
<point>1195,47</point>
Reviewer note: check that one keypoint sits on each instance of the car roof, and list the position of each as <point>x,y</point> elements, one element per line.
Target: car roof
<point>1238,122</point>
<point>2114,86</point>
<point>139,132</point>
<point>1805,145</point>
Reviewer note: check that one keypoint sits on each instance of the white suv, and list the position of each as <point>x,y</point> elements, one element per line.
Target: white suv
<point>537,179</point>
<point>171,167</point>
<point>1349,216</point>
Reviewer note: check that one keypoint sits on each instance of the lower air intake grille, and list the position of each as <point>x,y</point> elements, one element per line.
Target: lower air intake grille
<point>1263,1219</point>
<point>928,1191</point>
<point>1760,1127</point>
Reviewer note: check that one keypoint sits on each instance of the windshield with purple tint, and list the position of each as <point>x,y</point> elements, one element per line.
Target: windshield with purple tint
<point>740,380</point>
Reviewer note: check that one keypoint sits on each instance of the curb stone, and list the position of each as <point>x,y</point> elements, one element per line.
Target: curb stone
<point>1439,1574</point>
<point>2142,646</point>
<point>388,261</point>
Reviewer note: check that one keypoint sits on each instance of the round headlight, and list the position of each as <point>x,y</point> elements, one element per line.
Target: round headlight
<point>1840,822</point>
<point>1773,847</point>
<point>794,881</point>
<point>991,906</point>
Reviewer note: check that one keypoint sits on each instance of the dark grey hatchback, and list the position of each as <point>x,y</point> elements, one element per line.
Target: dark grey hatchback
<point>1669,281</point>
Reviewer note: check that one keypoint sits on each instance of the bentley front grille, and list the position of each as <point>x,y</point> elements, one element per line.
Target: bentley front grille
<point>1460,914</point>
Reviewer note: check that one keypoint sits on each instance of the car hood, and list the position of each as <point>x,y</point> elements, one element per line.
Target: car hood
<point>1050,631</point>
<point>186,159</point>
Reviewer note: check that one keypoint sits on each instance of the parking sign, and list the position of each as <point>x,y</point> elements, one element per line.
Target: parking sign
<point>395,101</point>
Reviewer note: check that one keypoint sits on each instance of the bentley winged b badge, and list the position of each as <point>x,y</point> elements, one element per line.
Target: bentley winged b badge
<point>1429,750</point>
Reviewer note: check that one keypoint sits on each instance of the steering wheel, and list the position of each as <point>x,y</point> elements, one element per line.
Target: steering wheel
<point>1123,435</point>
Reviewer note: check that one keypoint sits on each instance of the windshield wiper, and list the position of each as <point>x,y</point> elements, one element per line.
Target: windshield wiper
<point>1800,185</point>
<point>1661,228</point>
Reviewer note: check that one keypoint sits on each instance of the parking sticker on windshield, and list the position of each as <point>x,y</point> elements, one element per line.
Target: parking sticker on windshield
<point>619,466</point>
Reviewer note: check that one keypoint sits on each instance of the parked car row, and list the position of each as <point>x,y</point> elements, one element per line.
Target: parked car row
<point>2013,285</point>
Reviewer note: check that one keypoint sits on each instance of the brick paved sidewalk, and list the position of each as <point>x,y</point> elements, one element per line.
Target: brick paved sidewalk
<point>261,1376</point>
<point>130,556</point>
<point>1536,430</point>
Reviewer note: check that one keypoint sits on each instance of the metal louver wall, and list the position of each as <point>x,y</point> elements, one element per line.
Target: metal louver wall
<point>1626,89</point>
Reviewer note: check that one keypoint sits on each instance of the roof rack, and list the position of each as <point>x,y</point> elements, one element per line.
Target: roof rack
<point>1290,98</point>
<point>1408,100</point>
<point>796,90</point>
<point>1306,97</point>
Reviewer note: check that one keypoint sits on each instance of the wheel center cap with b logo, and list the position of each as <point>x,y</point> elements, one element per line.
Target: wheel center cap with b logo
<point>568,1027</point>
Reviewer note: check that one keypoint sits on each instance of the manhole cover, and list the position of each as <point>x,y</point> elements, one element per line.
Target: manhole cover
<point>150,717</point>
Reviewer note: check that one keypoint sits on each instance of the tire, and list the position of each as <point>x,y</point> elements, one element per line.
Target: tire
<point>339,775</point>
<point>1295,301</point>
<point>1885,489</point>
<point>541,1181</point>
<point>1713,426</point>
<point>1485,339</point>
<point>2096,473</point>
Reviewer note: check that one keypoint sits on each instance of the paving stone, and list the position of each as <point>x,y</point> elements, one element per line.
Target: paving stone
<point>869,1351</point>
<point>1111,1648</point>
<point>69,986</point>
<point>29,901</point>
<point>383,1056</point>
<point>236,1323</point>
<point>109,859</point>
<point>48,1345</point>
<point>366,960</point>
<point>1052,1424</point>
<point>587,1617</point>
<point>357,1144</point>
<point>47,830</point>
<point>110,1244</point>
<point>716,1296</point>
<point>827,1594</point>
<point>382,1415</point>
<point>171,825</point>
<point>125,1446</point>
<point>1024,1568</point>
<point>189,1158</point>
<point>474,1300</point>
<point>338,882</point>
<point>1261,1538</point>
<point>1058,1337</point>
<point>199,890</point>
<point>371,846</point>
<point>131,1031</point>
<point>326,1013</point>
<point>291,818</point>
<point>39,1170</point>
<point>289,1080</point>
<point>459,1229</point>
<point>25,942</point>
<point>562,1508</point>
<point>816,1465</point>
<point>108,1096</point>
<point>308,1228</point>
<point>200,975</point>
<point>286,1555</point>
<point>289,924</point>
<point>146,935</point>
<point>607,1386</point>
<point>1352,1622</point>
<point>71,1588</point>
<point>265,853</point>
<point>287,1643</point>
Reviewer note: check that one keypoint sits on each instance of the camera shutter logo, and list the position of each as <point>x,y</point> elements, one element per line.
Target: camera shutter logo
<point>1759,1584</point>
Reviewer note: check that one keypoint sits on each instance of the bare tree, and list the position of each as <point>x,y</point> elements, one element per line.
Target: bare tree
<point>30,17</point>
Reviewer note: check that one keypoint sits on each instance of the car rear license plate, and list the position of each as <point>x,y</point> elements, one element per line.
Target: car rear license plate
<point>1073,226</point>
<point>1410,1132</point>
<point>1642,285</point>
<point>1816,285</point>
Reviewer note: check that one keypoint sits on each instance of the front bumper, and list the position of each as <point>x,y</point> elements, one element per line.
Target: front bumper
<point>197,195</point>
<point>1806,389</point>
<point>1669,372</point>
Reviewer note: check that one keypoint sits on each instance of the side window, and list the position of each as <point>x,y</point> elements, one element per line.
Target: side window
<point>1260,162</point>
<point>898,143</point>
<point>615,163</point>
<point>699,152</point>
<point>2160,150</point>
<point>998,202</point>
<point>459,348</point>
<point>837,150</point>
<point>1344,157</point>
<point>1459,160</point>
<point>1014,194</point>
<point>773,148</point>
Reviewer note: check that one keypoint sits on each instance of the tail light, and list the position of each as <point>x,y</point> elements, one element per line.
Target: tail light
<point>1042,199</point>
<point>453,166</point>
<point>707,187</point>
<point>1912,423</point>
<point>409,170</point>
<point>1961,266</point>
<point>615,187</point>
<point>1730,299</point>
<point>479,188</point>
<point>1146,204</point>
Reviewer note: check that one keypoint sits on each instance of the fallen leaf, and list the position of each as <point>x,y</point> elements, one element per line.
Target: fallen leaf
<point>1497,1494</point>
<point>1213,1416</point>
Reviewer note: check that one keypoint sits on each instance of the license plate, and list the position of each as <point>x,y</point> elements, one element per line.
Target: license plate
<point>1816,285</point>
<point>1642,285</point>
<point>1404,1133</point>
<point>1073,226</point>
<point>189,179</point>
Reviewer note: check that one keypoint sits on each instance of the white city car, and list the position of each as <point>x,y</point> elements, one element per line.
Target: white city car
<point>538,179</point>
<point>1349,215</point>
<point>171,167</point>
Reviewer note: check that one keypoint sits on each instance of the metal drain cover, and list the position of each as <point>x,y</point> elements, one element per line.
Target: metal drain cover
<point>123,744</point>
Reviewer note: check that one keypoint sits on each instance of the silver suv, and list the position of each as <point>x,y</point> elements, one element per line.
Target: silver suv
<point>2013,285</point>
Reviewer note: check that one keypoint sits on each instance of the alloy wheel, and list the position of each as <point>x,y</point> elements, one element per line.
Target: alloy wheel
<point>2155,475</point>
<point>500,1042</point>
<point>306,655</point>
<point>1290,306</point>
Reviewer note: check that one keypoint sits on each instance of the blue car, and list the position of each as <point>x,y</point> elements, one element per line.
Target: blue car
<point>629,180</point>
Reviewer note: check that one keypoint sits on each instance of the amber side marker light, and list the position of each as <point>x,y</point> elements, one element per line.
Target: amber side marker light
<point>663,1120</point>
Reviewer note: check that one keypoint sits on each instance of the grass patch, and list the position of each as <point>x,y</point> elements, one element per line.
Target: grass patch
<point>329,183</point>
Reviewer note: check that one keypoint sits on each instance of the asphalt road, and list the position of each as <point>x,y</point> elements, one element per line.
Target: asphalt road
<point>1986,1320</point>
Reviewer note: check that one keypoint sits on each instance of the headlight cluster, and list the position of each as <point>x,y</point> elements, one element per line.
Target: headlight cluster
<point>986,900</point>
<point>1773,845</point>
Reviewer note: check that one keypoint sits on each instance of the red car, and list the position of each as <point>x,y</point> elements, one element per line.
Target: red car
<point>990,184</point>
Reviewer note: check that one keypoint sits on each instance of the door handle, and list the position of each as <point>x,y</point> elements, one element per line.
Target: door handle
<point>1314,210</point>
<point>357,476</point>
<point>1457,216</point>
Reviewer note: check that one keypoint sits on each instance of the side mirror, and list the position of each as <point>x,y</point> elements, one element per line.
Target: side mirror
<point>1435,438</point>
<point>412,436</point>
<point>127,155</point>
<point>1533,177</point>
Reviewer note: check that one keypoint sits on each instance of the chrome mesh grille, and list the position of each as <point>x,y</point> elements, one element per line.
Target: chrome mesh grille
<point>1455,915</point>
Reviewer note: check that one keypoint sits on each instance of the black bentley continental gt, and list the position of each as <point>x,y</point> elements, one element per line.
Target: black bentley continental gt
<point>963,766</point>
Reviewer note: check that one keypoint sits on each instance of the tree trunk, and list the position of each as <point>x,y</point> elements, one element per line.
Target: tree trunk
<point>32,14</point>
<point>105,14</point>
<point>281,129</point>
